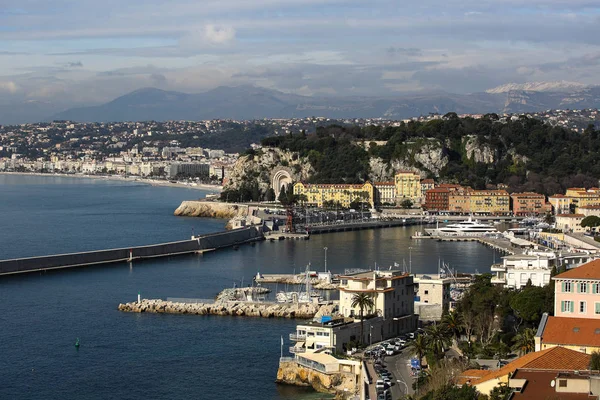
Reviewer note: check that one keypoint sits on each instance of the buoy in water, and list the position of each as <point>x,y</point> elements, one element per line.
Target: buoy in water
<point>77,343</point>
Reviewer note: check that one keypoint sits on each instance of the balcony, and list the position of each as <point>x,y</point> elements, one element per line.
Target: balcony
<point>498,281</point>
<point>296,350</point>
<point>498,268</point>
<point>297,337</point>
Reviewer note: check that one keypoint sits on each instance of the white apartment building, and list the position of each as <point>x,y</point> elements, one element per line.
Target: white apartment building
<point>432,296</point>
<point>516,270</point>
<point>385,193</point>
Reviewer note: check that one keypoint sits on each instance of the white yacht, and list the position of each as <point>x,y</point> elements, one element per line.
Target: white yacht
<point>469,227</point>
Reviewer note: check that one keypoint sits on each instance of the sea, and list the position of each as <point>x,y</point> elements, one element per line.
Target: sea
<point>156,356</point>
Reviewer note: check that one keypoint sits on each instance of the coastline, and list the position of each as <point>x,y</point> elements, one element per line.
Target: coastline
<point>152,182</point>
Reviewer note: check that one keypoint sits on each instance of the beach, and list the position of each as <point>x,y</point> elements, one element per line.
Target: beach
<point>137,179</point>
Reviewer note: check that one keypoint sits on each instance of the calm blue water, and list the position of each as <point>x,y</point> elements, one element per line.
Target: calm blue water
<point>145,356</point>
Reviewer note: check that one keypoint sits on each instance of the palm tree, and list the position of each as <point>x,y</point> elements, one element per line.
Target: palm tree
<point>524,342</point>
<point>453,322</point>
<point>362,301</point>
<point>419,347</point>
<point>438,338</point>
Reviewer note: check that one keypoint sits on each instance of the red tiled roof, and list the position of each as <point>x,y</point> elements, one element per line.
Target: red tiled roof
<point>590,270</point>
<point>590,207</point>
<point>572,331</point>
<point>570,215</point>
<point>527,194</point>
<point>554,358</point>
<point>539,387</point>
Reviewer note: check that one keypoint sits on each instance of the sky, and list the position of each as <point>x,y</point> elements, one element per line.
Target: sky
<point>89,51</point>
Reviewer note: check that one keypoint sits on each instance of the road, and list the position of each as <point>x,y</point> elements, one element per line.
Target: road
<point>398,365</point>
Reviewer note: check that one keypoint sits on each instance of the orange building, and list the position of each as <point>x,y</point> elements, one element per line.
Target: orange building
<point>528,203</point>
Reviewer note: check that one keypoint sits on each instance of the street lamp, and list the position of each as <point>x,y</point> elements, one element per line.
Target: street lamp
<point>410,260</point>
<point>325,248</point>
<point>370,334</point>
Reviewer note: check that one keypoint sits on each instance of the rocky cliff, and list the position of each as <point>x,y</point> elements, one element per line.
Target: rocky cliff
<point>259,168</point>
<point>211,209</point>
<point>341,384</point>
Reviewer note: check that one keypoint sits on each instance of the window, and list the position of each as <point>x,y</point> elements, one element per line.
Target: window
<point>562,383</point>
<point>427,292</point>
<point>582,307</point>
<point>597,308</point>
<point>582,287</point>
<point>566,306</point>
<point>595,288</point>
<point>566,287</point>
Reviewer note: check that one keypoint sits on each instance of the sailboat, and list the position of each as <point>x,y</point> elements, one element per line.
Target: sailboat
<point>301,296</point>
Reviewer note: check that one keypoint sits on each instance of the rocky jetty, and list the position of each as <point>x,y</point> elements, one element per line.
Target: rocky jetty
<point>211,209</point>
<point>343,385</point>
<point>234,308</point>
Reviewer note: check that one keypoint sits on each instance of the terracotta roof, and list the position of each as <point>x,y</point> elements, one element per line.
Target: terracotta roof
<point>572,331</point>
<point>590,270</point>
<point>539,387</point>
<point>471,375</point>
<point>427,181</point>
<point>554,358</point>
<point>590,207</point>
<point>570,215</point>
<point>527,194</point>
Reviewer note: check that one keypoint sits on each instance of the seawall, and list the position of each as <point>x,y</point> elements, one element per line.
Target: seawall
<point>233,308</point>
<point>197,245</point>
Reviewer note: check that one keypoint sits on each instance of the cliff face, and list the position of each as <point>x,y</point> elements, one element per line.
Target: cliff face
<point>260,167</point>
<point>291,373</point>
<point>422,157</point>
<point>211,209</point>
<point>477,152</point>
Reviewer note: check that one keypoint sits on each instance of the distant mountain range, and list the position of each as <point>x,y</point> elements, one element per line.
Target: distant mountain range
<point>249,102</point>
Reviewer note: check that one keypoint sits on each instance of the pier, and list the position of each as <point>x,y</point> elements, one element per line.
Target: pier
<point>229,308</point>
<point>198,244</point>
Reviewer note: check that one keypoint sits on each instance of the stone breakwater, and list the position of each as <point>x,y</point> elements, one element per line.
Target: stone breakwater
<point>234,308</point>
<point>211,209</point>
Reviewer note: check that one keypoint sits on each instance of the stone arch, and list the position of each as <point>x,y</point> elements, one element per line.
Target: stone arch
<point>281,176</point>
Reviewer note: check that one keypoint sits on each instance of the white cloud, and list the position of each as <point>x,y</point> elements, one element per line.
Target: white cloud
<point>218,34</point>
<point>8,87</point>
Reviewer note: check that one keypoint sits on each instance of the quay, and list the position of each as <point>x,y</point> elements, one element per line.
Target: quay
<point>229,308</point>
<point>357,226</point>
<point>198,244</point>
<point>500,243</point>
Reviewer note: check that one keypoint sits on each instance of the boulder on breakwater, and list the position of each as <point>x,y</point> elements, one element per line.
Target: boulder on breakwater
<point>237,308</point>
<point>211,209</point>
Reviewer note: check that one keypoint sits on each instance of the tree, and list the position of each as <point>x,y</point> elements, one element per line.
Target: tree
<point>529,304</point>
<point>407,203</point>
<point>282,195</point>
<point>595,361</point>
<point>453,322</point>
<point>438,339</point>
<point>524,342</point>
<point>270,196</point>
<point>591,221</point>
<point>501,392</point>
<point>363,301</point>
<point>419,346</point>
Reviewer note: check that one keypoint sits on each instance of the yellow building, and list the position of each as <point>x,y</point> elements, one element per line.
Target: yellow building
<point>581,197</point>
<point>318,194</point>
<point>489,202</point>
<point>408,186</point>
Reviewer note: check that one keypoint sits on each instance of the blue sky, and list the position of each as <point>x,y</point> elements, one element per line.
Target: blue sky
<point>85,51</point>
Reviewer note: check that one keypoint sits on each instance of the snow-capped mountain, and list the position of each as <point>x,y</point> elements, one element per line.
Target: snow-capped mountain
<point>557,86</point>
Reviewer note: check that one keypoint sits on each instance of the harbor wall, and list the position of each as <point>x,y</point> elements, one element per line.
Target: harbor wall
<point>198,244</point>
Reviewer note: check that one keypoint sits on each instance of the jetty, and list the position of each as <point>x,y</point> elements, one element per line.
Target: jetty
<point>229,308</point>
<point>195,245</point>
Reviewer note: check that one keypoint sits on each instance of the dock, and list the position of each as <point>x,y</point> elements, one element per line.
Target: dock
<point>296,279</point>
<point>500,244</point>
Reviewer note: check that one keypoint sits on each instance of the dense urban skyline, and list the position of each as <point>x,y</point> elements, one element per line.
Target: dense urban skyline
<point>90,52</point>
